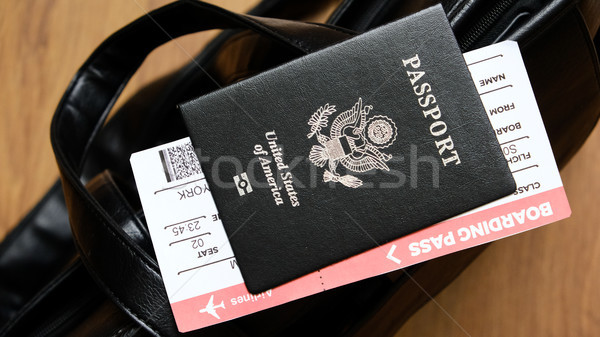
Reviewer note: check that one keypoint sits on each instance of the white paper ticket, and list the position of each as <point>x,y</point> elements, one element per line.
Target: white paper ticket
<point>199,270</point>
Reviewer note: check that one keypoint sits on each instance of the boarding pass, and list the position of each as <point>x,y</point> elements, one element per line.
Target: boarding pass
<point>199,269</point>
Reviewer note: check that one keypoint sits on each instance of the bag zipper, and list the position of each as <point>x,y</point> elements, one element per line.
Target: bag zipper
<point>56,325</point>
<point>486,21</point>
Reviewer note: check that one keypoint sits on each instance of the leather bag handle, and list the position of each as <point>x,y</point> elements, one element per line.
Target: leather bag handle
<point>123,270</point>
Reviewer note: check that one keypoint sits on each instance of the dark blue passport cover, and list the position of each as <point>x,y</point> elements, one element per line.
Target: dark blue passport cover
<point>346,149</point>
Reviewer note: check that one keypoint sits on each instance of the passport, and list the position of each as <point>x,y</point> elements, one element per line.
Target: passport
<point>346,149</point>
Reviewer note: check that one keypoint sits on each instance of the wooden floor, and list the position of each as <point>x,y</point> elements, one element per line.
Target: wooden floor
<point>541,283</point>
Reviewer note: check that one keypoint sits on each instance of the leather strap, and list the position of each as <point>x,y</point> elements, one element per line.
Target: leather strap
<point>125,271</point>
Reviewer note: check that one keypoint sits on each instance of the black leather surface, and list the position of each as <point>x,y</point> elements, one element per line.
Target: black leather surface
<point>40,245</point>
<point>62,301</point>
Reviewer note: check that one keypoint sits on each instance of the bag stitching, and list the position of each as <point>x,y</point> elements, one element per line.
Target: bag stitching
<point>98,216</point>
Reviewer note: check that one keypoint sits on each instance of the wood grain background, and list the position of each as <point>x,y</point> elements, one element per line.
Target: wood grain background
<point>540,283</point>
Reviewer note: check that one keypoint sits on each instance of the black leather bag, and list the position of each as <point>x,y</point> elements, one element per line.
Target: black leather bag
<point>110,284</point>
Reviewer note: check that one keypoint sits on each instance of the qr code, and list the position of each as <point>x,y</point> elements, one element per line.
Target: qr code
<point>180,162</point>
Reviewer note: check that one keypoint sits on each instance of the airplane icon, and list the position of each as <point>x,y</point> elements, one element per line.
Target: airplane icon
<point>210,307</point>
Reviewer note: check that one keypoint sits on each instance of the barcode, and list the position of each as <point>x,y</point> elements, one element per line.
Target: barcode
<point>179,162</point>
